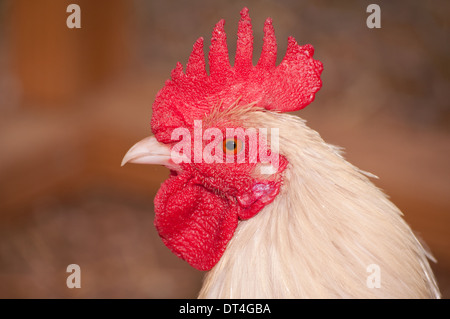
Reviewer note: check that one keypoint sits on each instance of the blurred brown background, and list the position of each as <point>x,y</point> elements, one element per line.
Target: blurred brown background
<point>72,101</point>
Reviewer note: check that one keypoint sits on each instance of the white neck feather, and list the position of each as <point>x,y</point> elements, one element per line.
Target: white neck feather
<point>319,236</point>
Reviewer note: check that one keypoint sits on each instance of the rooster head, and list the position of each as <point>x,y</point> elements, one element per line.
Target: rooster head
<point>222,170</point>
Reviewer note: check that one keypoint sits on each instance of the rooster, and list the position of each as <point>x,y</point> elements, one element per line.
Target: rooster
<point>304,224</point>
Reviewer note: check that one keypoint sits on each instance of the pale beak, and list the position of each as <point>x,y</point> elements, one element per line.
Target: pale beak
<point>150,151</point>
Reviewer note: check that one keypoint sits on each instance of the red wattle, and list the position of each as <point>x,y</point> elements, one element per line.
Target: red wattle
<point>193,222</point>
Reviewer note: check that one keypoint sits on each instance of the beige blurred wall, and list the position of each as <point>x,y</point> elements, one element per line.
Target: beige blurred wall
<point>56,64</point>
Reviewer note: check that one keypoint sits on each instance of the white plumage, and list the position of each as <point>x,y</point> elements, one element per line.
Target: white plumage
<point>321,233</point>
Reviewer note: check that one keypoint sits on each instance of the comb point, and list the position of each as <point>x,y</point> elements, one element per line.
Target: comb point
<point>177,73</point>
<point>196,65</point>
<point>268,56</point>
<point>219,62</point>
<point>244,48</point>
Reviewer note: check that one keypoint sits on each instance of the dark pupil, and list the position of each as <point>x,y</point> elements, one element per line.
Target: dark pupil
<point>231,145</point>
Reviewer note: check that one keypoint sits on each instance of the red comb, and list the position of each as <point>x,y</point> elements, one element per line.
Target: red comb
<point>290,86</point>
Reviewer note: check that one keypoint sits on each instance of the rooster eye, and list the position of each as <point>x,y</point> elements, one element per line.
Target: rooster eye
<point>232,146</point>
